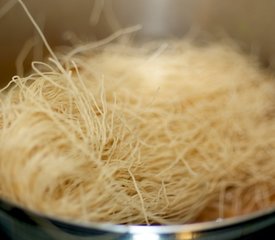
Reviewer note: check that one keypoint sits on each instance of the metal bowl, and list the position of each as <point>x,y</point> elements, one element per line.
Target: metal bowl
<point>250,22</point>
<point>19,223</point>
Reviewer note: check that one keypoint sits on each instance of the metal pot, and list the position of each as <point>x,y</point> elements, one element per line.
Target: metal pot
<point>248,21</point>
<point>19,223</point>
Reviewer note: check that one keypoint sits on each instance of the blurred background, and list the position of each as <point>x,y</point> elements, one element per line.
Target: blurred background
<point>65,22</point>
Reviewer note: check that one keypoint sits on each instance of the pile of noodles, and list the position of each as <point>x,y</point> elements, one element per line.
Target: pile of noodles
<point>158,133</point>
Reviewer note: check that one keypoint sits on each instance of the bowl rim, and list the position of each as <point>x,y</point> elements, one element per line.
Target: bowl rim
<point>131,228</point>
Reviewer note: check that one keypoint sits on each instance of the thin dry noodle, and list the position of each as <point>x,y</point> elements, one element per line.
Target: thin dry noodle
<point>160,133</point>
<point>7,7</point>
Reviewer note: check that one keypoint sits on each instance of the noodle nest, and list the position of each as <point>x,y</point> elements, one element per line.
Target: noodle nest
<point>158,133</point>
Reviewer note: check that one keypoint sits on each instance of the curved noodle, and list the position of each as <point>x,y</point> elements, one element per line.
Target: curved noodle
<point>141,135</point>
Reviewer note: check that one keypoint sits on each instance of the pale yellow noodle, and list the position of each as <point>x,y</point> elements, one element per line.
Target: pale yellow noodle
<point>158,133</point>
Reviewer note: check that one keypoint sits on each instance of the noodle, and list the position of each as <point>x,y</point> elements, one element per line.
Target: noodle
<point>7,7</point>
<point>160,133</point>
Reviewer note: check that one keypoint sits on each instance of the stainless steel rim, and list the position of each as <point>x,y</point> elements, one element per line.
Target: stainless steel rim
<point>160,229</point>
